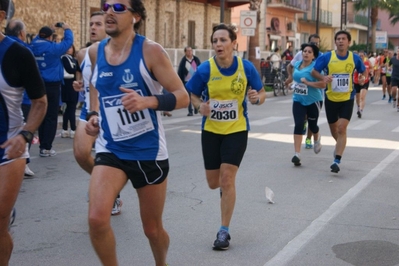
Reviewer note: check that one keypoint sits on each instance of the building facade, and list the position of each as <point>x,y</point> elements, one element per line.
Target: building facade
<point>172,23</point>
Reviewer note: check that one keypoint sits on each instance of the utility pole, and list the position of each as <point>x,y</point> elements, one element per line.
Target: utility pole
<point>318,17</point>
<point>221,11</point>
<point>343,14</point>
<point>368,26</point>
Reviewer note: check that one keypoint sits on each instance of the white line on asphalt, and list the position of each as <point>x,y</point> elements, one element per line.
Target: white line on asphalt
<point>396,130</point>
<point>168,121</point>
<point>362,124</point>
<point>295,245</point>
<point>268,120</point>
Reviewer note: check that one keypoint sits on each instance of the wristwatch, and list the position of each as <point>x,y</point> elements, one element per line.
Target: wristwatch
<point>28,136</point>
<point>90,114</point>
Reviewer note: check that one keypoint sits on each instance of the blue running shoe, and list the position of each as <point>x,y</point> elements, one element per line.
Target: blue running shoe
<point>222,241</point>
<point>334,168</point>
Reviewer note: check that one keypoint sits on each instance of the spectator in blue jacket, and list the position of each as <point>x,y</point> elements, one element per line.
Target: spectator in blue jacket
<point>48,57</point>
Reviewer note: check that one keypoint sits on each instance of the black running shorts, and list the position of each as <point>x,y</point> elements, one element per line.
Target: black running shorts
<point>218,149</point>
<point>337,110</point>
<point>140,173</point>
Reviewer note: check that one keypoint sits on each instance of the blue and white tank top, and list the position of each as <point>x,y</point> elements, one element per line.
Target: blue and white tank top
<point>85,67</point>
<point>136,136</point>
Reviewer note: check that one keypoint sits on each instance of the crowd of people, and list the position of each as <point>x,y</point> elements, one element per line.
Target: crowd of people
<point>128,83</point>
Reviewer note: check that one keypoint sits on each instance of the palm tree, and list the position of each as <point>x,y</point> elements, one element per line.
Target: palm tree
<point>254,5</point>
<point>388,5</point>
<point>394,16</point>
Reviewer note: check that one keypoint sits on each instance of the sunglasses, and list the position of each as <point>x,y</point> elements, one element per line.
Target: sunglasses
<point>314,43</point>
<point>117,8</point>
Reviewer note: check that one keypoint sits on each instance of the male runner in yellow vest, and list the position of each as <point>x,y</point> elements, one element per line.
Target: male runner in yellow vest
<point>339,66</point>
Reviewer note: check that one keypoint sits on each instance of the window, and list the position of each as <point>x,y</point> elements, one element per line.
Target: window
<point>191,34</point>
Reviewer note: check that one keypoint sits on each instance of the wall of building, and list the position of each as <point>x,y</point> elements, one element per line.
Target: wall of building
<point>166,23</point>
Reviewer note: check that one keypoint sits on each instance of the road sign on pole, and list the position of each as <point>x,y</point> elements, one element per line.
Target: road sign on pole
<point>248,19</point>
<point>247,32</point>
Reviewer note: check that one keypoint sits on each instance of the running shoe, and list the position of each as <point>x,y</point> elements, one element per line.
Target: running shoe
<point>64,134</point>
<point>305,126</point>
<point>390,99</point>
<point>383,97</point>
<point>308,143</point>
<point>222,241</point>
<point>72,134</point>
<point>116,210</point>
<point>359,114</point>
<point>317,146</point>
<point>296,160</point>
<point>47,153</point>
<point>28,173</point>
<point>334,168</point>
<point>394,103</point>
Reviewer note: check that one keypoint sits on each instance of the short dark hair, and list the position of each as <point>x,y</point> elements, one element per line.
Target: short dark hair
<point>315,49</point>
<point>185,48</point>
<point>14,28</point>
<point>4,5</point>
<point>348,35</point>
<point>313,36</point>
<point>97,13</point>
<point>230,28</point>
<point>139,9</point>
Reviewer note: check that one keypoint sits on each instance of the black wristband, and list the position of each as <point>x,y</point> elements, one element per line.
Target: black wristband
<point>90,114</point>
<point>28,136</point>
<point>166,102</point>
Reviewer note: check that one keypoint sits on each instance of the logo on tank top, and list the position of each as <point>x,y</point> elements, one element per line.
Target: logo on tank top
<point>237,85</point>
<point>106,74</point>
<point>127,77</point>
<point>349,68</point>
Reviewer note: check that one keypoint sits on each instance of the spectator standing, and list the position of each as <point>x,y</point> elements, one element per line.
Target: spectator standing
<point>187,67</point>
<point>287,55</point>
<point>18,72</point>
<point>129,73</point>
<point>68,95</point>
<point>48,57</point>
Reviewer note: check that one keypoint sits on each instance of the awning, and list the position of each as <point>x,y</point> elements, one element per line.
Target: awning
<point>275,37</point>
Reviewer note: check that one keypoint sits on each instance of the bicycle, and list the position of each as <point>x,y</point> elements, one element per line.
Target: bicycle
<point>279,80</point>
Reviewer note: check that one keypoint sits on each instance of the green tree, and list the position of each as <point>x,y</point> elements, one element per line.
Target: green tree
<point>388,5</point>
<point>394,15</point>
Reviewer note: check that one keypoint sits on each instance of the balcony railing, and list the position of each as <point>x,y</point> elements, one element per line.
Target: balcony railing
<point>358,19</point>
<point>325,17</point>
<point>302,5</point>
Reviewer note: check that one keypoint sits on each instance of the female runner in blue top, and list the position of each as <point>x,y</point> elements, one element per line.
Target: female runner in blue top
<point>224,82</point>
<point>307,99</point>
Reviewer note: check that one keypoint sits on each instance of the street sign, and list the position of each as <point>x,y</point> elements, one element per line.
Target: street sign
<point>247,32</point>
<point>248,19</point>
<point>381,40</point>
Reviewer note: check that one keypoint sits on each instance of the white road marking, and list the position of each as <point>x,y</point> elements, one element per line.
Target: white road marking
<point>295,245</point>
<point>362,124</point>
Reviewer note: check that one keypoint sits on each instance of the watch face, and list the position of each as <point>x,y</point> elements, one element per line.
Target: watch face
<point>28,136</point>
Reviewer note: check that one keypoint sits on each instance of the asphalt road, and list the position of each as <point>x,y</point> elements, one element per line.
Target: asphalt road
<point>318,218</point>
